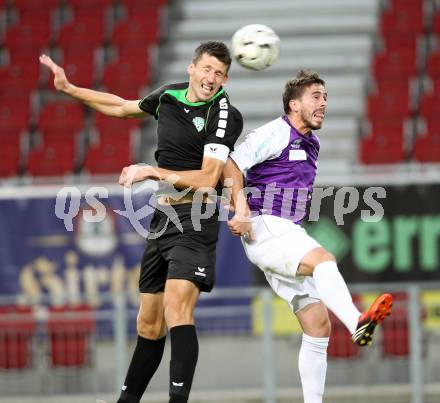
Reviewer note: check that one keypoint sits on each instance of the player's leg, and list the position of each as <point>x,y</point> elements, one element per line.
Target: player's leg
<point>334,293</point>
<point>150,325</point>
<point>191,269</point>
<point>312,359</point>
<point>180,299</point>
<point>149,348</point>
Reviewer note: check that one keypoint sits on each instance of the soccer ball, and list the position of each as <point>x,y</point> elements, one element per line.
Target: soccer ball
<point>255,46</point>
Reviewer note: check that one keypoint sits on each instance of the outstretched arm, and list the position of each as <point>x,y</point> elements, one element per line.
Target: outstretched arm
<point>103,102</point>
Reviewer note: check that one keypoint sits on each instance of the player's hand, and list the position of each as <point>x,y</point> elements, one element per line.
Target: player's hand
<point>134,173</point>
<point>241,225</point>
<point>59,80</point>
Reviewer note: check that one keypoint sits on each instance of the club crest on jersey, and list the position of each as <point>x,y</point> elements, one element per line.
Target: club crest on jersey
<point>199,123</point>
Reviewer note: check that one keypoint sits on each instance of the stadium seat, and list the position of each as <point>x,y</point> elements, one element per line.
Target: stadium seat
<point>426,146</point>
<point>9,153</point>
<point>395,330</point>
<point>63,116</point>
<point>113,149</point>
<point>14,115</point>
<point>53,157</point>
<point>86,32</point>
<point>402,19</point>
<point>341,344</point>
<point>382,148</point>
<point>137,29</point>
<point>384,105</point>
<point>78,62</point>
<point>19,81</point>
<point>70,332</point>
<point>34,35</point>
<point>395,63</point>
<point>133,74</point>
<point>17,330</point>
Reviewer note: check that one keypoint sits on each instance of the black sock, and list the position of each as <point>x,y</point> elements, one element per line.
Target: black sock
<point>146,358</point>
<point>184,354</point>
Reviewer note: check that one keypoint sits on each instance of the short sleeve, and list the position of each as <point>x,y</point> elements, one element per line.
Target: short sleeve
<point>223,129</point>
<point>262,144</point>
<point>150,103</point>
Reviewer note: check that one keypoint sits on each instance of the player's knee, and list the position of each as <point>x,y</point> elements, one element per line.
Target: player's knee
<point>326,256</point>
<point>177,311</point>
<point>150,328</point>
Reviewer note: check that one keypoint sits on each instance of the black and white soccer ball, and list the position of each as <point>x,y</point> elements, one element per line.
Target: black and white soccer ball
<point>255,46</point>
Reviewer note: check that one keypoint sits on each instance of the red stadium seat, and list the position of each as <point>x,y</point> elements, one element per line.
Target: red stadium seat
<point>137,29</point>
<point>9,152</point>
<point>65,116</point>
<point>427,145</point>
<point>53,157</point>
<point>133,74</point>
<point>19,81</point>
<point>341,344</point>
<point>387,104</point>
<point>382,148</point>
<point>17,330</point>
<point>70,331</point>
<point>401,19</point>
<point>430,105</point>
<point>14,115</point>
<point>433,65</point>
<point>28,36</point>
<point>60,124</point>
<point>87,32</point>
<point>436,22</point>
<point>113,149</point>
<point>395,63</point>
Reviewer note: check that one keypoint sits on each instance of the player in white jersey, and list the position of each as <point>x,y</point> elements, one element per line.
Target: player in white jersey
<point>279,162</point>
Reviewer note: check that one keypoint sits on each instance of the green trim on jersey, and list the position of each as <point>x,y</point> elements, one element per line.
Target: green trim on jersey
<point>180,95</point>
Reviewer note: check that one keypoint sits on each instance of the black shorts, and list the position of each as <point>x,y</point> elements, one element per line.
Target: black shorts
<point>172,254</point>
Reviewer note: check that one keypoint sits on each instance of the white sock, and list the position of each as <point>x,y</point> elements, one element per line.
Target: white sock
<point>335,295</point>
<point>312,363</point>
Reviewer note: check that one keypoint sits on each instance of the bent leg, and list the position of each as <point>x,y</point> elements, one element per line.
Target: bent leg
<point>312,359</point>
<point>180,300</point>
<point>149,348</point>
<point>331,286</point>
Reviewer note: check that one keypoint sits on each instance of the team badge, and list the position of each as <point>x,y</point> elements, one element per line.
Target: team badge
<point>199,123</point>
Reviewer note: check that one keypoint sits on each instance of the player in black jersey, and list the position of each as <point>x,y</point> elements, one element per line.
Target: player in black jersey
<point>197,128</point>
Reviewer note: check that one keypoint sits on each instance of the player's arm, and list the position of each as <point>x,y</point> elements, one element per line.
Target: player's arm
<point>206,177</point>
<point>108,104</point>
<point>240,224</point>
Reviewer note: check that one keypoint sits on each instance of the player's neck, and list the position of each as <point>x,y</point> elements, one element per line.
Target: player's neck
<point>298,124</point>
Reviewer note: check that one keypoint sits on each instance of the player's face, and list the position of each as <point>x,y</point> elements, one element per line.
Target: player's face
<point>205,78</point>
<point>312,106</point>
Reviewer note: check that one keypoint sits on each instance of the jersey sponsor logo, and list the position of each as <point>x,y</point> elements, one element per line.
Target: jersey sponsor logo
<point>296,143</point>
<point>179,384</point>
<point>199,123</point>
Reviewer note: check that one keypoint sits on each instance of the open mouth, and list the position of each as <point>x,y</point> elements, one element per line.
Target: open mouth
<point>207,89</point>
<point>319,115</point>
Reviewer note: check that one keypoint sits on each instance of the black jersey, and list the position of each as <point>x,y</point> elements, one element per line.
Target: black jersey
<point>189,130</point>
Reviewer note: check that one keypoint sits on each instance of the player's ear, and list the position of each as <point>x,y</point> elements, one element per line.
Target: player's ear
<point>293,103</point>
<point>190,69</point>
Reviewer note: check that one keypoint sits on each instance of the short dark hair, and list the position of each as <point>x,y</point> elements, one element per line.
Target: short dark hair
<point>294,88</point>
<point>213,48</point>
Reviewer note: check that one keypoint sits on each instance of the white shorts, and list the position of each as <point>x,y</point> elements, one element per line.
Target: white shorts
<point>279,247</point>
